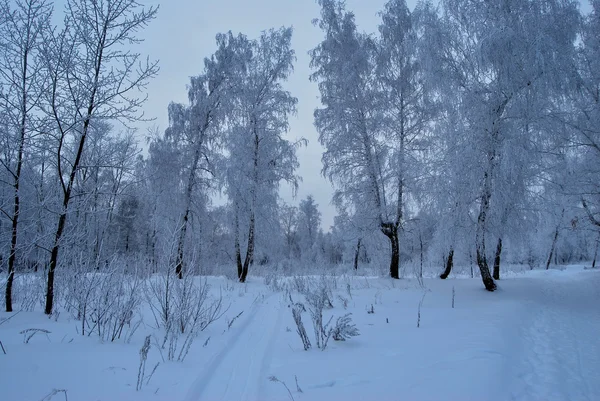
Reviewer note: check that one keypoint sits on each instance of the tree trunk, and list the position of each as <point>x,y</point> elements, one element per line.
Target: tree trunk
<point>421,254</point>
<point>552,248</point>
<point>99,61</point>
<point>249,251</point>
<point>596,251</point>
<point>357,254</point>
<point>391,231</point>
<point>53,261</point>
<point>496,273</point>
<point>180,244</point>
<point>17,180</point>
<point>251,228</point>
<point>486,277</point>
<point>238,252</point>
<point>449,264</point>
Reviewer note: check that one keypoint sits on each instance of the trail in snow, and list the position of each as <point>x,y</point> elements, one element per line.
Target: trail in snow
<point>560,349</point>
<point>239,371</point>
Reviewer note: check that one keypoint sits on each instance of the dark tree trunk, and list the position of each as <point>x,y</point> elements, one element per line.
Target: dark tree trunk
<point>449,265</point>
<point>67,189</point>
<point>179,263</point>
<point>238,252</point>
<point>486,277</point>
<point>596,251</point>
<point>552,249</point>
<point>357,254</point>
<point>180,245</point>
<point>53,261</point>
<point>391,231</point>
<point>17,177</point>
<point>249,252</point>
<point>480,252</point>
<point>496,273</point>
<point>421,254</point>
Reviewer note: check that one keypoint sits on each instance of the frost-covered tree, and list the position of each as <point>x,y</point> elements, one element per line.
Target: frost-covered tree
<point>375,113</point>
<point>259,155</point>
<point>106,170</point>
<point>197,128</point>
<point>288,217</point>
<point>309,224</point>
<point>22,83</point>
<point>586,121</point>
<point>93,76</point>
<point>498,54</point>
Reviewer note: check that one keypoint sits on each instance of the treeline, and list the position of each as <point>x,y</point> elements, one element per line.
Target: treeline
<point>467,132</point>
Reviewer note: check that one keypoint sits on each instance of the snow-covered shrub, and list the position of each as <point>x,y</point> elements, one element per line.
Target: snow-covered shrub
<point>104,301</point>
<point>115,302</point>
<point>273,281</point>
<point>344,328</point>
<point>318,299</point>
<point>182,308</point>
<point>300,284</point>
<point>28,290</point>
<point>297,310</point>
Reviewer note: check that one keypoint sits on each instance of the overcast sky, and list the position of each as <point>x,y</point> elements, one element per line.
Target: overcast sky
<point>183,35</point>
<point>184,32</point>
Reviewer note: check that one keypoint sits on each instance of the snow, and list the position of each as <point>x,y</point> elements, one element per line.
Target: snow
<point>533,339</point>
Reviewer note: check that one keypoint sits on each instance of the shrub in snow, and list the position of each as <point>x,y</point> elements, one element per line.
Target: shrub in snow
<point>104,301</point>
<point>300,284</point>
<point>317,300</point>
<point>344,328</point>
<point>28,290</point>
<point>183,308</point>
<point>297,310</point>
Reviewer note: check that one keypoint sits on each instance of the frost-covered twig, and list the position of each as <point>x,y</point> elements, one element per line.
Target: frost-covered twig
<point>298,389</point>
<point>53,393</point>
<point>419,310</point>
<point>453,296</point>
<point>29,333</point>
<point>6,319</point>
<point>276,380</point>
<point>233,320</point>
<point>142,368</point>
<point>297,310</point>
<point>152,373</point>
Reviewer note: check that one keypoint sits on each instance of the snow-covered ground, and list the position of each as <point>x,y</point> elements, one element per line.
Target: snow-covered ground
<point>536,338</point>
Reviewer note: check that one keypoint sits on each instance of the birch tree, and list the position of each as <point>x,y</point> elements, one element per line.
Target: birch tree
<point>200,125</point>
<point>259,156</point>
<point>587,114</point>
<point>374,114</point>
<point>497,53</point>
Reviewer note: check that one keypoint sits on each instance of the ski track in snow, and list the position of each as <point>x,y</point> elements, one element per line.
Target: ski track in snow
<point>233,373</point>
<point>560,344</point>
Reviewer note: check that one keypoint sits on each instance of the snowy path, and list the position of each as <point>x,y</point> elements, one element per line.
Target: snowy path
<point>239,371</point>
<point>560,345</point>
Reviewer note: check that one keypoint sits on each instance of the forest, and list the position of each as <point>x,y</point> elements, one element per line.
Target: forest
<point>462,143</point>
<point>461,133</point>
